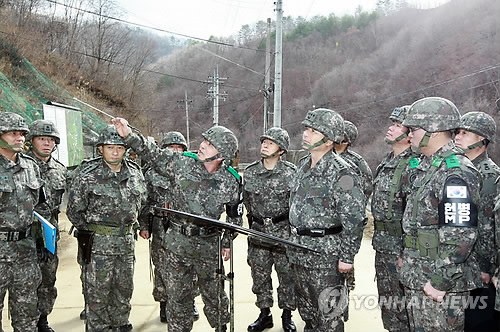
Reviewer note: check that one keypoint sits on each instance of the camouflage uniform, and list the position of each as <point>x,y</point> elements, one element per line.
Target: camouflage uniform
<point>266,196</point>
<point>19,193</point>
<point>483,125</point>
<point>387,206</point>
<point>108,203</point>
<point>439,224</point>
<point>355,159</point>
<point>193,250</point>
<point>327,207</point>
<point>53,174</point>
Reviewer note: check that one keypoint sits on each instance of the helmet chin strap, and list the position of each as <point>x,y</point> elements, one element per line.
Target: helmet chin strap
<point>322,141</point>
<point>423,143</point>
<point>475,145</point>
<point>397,139</point>
<point>272,155</point>
<point>217,156</point>
<point>5,145</point>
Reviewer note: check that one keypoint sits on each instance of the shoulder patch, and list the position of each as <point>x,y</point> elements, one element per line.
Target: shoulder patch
<point>452,161</point>
<point>414,162</point>
<point>234,173</point>
<point>190,155</point>
<point>346,182</point>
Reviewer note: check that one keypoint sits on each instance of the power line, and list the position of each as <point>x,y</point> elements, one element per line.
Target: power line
<point>153,28</point>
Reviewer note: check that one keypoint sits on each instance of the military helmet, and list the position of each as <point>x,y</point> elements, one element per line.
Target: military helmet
<point>351,131</point>
<point>173,137</point>
<point>110,136</point>
<point>12,122</point>
<point>433,114</point>
<point>223,140</point>
<point>44,128</point>
<point>327,122</point>
<point>479,123</point>
<point>399,113</point>
<point>278,136</point>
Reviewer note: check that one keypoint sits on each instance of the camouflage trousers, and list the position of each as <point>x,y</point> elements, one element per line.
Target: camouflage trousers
<point>391,293</point>
<point>108,285</point>
<point>180,273</point>
<point>321,297</point>
<point>21,280</point>
<point>47,292</point>
<point>158,257</point>
<point>261,260</point>
<point>427,315</point>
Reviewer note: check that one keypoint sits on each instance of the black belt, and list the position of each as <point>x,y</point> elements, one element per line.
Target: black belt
<point>192,230</point>
<point>15,235</point>
<point>316,232</point>
<point>263,221</point>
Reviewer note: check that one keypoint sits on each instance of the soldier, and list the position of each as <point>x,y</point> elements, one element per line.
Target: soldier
<point>203,184</point>
<point>105,198</point>
<point>266,194</point>
<point>439,222</point>
<point>44,138</point>
<point>151,222</point>
<point>355,159</point>
<point>477,130</point>
<point>327,208</point>
<point>387,205</point>
<point>19,193</point>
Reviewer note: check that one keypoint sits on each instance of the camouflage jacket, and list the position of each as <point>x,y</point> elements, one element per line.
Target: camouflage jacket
<point>98,196</point>
<point>158,194</point>
<point>485,245</point>
<point>364,170</point>
<point>53,174</point>
<point>328,195</point>
<point>440,253</point>
<point>266,194</point>
<point>194,189</point>
<point>388,202</point>
<point>19,192</point>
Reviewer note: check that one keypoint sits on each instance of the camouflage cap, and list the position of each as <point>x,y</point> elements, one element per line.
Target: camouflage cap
<point>278,136</point>
<point>109,136</point>
<point>399,113</point>
<point>433,114</point>
<point>351,131</point>
<point>223,140</point>
<point>12,122</point>
<point>174,137</point>
<point>44,128</point>
<point>327,122</point>
<point>479,123</point>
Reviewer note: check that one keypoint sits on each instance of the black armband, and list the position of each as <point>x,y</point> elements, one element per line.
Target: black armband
<point>234,210</point>
<point>457,209</point>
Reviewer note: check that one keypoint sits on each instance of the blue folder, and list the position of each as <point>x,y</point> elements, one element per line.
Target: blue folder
<point>49,233</point>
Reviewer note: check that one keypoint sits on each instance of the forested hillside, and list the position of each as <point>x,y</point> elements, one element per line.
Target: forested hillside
<point>361,65</point>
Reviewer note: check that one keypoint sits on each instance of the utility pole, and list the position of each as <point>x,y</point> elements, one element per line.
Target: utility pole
<point>267,79</point>
<point>278,64</point>
<point>186,102</point>
<point>214,93</point>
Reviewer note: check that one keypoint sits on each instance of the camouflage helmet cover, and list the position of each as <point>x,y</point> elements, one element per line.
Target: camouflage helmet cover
<point>109,136</point>
<point>479,123</point>
<point>433,114</point>
<point>399,113</point>
<point>351,131</point>
<point>12,122</point>
<point>223,140</point>
<point>277,135</point>
<point>327,122</point>
<point>174,137</point>
<point>44,128</point>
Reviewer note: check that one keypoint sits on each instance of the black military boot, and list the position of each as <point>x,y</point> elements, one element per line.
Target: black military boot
<point>163,312</point>
<point>43,324</point>
<point>287,322</point>
<point>264,321</point>
<point>196,314</point>
<point>125,328</point>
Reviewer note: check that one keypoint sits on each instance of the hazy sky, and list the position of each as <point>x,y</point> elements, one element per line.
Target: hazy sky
<point>204,18</point>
